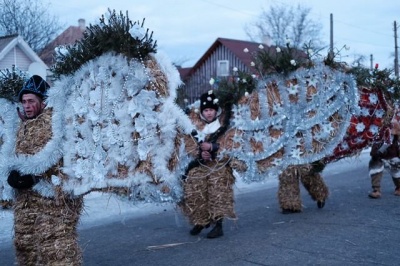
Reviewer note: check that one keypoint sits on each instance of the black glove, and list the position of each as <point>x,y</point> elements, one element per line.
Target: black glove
<point>16,180</point>
<point>317,166</point>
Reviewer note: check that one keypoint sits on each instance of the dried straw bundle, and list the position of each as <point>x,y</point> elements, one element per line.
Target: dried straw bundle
<point>289,186</point>
<point>34,134</point>
<point>208,193</point>
<point>160,82</point>
<point>45,228</point>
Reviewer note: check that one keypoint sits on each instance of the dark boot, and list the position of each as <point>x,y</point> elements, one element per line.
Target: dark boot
<point>320,204</point>
<point>288,211</point>
<point>196,230</point>
<point>216,231</point>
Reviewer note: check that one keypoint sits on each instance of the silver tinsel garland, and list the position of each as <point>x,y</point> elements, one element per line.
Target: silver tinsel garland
<point>336,93</point>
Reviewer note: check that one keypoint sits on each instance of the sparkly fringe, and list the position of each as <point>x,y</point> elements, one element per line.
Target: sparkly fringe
<point>274,97</point>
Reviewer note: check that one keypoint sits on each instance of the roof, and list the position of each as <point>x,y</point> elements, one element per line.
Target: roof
<point>235,46</point>
<point>69,36</point>
<point>5,40</point>
<point>184,71</point>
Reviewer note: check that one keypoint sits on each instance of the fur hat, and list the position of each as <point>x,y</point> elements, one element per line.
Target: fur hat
<point>16,180</point>
<point>208,100</point>
<point>36,85</point>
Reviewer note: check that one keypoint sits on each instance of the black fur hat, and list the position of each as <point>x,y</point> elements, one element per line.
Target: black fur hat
<point>16,180</point>
<point>36,85</point>
<point>208,100</point>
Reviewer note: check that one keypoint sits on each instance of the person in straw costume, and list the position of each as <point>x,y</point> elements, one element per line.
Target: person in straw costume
<point>289,186</point>
<point>208,194</point>
<point>45,227</point>
<point>383,155</point>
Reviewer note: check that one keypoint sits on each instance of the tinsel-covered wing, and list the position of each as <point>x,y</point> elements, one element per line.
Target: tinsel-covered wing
<point>122,128</point>
<point>8,128</point>
<point>371,124</point>
<point>292,121</point>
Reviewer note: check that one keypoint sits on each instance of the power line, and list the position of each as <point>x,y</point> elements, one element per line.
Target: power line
<point>228,7</point>
<point>364,29</point>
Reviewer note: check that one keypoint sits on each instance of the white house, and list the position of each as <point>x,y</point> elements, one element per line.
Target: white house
<point>14,51</point>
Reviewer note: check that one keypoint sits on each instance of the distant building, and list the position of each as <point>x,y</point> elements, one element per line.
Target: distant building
<point>15,52</point>
<point>69,36</point>
<point>217,62</point>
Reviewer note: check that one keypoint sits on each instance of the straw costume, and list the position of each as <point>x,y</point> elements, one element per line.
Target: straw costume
<point>207,185</point>
<point>45,227</point>
<point>289,186</point>
<point>385,155</point>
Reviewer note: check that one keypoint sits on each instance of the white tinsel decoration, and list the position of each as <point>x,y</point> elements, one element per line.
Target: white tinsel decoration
<point>110,106</point>
<point>8,129</point>
<point>293,119</point>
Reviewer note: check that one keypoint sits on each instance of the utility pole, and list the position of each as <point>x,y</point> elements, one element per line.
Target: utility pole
<point>371,58</point>
<point>396,54</point>
<point>331,37</point>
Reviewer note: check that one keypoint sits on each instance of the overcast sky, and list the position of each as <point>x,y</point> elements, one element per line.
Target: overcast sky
<point>185,29</point>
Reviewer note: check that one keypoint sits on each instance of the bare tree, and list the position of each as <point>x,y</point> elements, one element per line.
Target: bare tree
<point>281,23</point>
<point>31,20</point>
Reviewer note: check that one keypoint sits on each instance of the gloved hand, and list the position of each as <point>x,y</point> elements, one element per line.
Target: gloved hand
<point>16,180</point>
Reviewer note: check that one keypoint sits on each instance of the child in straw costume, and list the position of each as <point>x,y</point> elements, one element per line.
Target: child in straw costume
<point>208,183</point>
<point>45,227</point>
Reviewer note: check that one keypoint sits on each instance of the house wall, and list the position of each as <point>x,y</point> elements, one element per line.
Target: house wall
<point>198,82</point>
<point>16,57</point>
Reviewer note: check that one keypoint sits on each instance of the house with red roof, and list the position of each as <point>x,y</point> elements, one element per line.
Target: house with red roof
<point>217,62</point>
<point>67,37</point>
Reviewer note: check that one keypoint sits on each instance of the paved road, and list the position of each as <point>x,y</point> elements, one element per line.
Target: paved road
<point>351,230</point>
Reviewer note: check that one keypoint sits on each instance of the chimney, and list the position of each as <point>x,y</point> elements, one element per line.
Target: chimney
<point>82,24</point>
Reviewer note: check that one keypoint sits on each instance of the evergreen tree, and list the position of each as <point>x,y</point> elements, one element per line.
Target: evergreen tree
<point>11,82</point>
<point>114,33</point>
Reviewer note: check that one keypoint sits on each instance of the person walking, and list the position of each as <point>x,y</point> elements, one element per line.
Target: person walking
<point>310,176</point>
<point>45,227</point>
<point>383,156</point>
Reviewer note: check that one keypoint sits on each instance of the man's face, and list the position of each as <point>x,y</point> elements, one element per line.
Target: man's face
<point>32,104</point>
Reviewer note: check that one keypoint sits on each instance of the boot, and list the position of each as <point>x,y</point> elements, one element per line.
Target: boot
<point>376,186</point>
<point>289,211</point>
<point>396,182</point>
<point>375,194</point>
<point>196,230</point>
<point>216,231</point>
<point>320,204</point>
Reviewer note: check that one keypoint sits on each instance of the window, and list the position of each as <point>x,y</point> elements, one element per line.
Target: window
<point>222,68</point>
